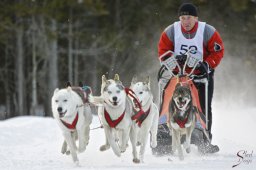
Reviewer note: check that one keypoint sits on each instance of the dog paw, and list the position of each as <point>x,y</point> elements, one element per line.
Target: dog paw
<point>173,151</point>
<point>104,147</point>
<point>188,150</point>
<point>81,149</point>
<point>63,151</point>
<point>181,158</point>
<point>153,144</point>
<point>77,163</point>
<point>136,160</point>
<point>141,158</point>
<point>123,149</point>
<point>68,152</point>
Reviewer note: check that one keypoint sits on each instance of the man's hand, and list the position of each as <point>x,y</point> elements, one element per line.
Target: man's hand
<point>203,67</point>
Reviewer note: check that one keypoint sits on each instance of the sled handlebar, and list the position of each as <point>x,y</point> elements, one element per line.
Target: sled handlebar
<point>171,61</point>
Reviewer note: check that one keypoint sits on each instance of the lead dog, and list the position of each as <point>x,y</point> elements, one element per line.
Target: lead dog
<point>182,118</point>
<point>74,118</point>
<point>116,116</point>
<point>149,122</point>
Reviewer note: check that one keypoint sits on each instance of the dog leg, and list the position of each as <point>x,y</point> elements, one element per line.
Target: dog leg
<point>106,146</point>
<point>144,139</point>
<point>180,152</point>
<point>133,138</point>
<point>174,142</point>
<point>176,135</point>
<point>71,143</point>
<point>111,140</point>
<point>81,140</point>
<point>87,135</point>
<point>138,136</point>
<point>125,138</point>
<point>153,130</point>
<point>64,147</point>
<point>188,139</point>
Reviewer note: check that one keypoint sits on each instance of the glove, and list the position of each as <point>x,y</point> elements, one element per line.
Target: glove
<point>181,58</point>
<point>203,67</point>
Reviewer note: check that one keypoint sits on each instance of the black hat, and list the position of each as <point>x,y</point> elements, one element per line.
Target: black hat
<point>187,9</point>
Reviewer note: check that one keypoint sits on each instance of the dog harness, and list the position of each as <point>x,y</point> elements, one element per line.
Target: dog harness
<point>140,118</point>
<point>140,113</point>
<point>181,123</point>
<point>73,125</point>
<point>113,123</point>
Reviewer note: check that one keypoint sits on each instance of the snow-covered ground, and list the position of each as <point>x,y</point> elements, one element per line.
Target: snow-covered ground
<point>34,143</point>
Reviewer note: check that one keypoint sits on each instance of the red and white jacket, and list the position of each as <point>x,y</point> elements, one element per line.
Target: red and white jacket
<point>213,49</point>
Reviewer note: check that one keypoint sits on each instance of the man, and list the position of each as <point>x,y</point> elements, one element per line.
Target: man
<point>201,40</point>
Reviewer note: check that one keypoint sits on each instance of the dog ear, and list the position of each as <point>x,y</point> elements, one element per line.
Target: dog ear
<point>134,80</point>
<point>80,84</point>
<point>56,90</point>
<point>116,78</point>
<point>104,79</point>
<point>68,84</point>
<point>147,81</point>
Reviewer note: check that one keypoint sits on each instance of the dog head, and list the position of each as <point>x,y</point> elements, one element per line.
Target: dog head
<point>113,91</point>
<point>141,89</point>
<point>181,97</point>
<point>64,102</point>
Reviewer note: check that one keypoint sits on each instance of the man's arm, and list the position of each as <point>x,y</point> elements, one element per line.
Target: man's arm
<point>165,44</point>
<point>215,50</point>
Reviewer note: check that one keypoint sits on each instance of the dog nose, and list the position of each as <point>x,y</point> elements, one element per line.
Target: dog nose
<point>115,98</point>
<point>59,109</point>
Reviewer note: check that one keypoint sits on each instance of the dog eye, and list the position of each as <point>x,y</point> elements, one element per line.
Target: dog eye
<point>109,92</point>
<point>118,91</point>
<point>141,92</point>
<point>65,100</point>
<point>56,101</point>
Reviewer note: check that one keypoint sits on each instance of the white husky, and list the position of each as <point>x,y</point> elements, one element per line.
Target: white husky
<point>149,121</point>
<point>74,118</point>
<point>116,116</point>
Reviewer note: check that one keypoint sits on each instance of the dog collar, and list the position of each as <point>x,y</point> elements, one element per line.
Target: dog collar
<point>73,125</point>
<point>113,123</point>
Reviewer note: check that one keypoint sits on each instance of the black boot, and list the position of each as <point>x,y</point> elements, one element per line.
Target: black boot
<point>207,147</point>
<point>203,142</point>
<point>164,141</point>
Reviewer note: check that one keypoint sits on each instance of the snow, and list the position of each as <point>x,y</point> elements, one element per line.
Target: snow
<point>34,143</point>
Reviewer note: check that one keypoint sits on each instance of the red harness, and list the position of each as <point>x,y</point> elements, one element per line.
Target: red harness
<point>113,123</point>
<point>181,123</point>
<point>141,117</point>
<point>73,125</point>
<point>137,104</point>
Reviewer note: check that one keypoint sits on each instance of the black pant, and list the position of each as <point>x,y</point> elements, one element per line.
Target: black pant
<point>201,92</point>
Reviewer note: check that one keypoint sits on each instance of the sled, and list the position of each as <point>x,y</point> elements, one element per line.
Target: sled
<point>179,69</point>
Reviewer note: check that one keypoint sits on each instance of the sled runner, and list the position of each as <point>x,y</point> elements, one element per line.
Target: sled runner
<point>179,69</point>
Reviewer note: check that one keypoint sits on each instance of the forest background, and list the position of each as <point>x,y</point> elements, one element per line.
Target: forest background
<point>45,43</point>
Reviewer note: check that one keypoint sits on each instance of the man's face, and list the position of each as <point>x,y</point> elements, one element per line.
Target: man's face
<point>188,21</point>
